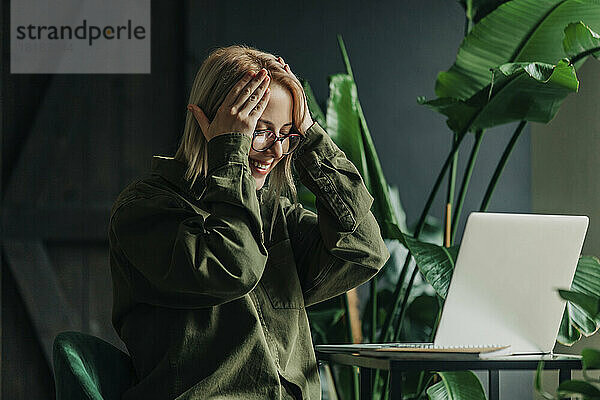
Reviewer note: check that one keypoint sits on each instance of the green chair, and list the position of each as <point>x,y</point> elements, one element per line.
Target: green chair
<point>87,367</point>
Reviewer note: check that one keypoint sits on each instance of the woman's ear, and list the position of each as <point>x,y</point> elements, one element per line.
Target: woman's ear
<point>200,117</point>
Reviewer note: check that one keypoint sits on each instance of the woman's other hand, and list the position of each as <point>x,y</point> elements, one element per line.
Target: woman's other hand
<point>241,109</point>
<point>308,121</point>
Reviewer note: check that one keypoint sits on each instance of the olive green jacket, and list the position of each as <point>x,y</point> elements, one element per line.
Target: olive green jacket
<point>208,300</point>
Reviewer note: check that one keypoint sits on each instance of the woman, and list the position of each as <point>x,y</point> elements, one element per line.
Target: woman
<point>212,271</point>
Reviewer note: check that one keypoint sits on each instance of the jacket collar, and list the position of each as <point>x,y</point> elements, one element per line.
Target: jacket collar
<point>174,171</point>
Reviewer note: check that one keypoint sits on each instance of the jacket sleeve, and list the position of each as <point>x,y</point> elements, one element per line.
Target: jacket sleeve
<point>182,259</point>
<point>341,246</point>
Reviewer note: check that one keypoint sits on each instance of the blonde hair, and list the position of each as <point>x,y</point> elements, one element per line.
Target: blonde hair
<point>217,75</point>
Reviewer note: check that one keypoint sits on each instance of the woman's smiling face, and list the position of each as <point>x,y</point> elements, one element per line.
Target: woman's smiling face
<point>277,117</point>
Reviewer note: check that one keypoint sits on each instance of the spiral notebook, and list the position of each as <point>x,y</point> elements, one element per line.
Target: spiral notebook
<point>503,288</point>
<point>421,350</point>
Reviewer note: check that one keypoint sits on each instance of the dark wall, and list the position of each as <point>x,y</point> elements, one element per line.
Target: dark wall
<point>70,144</point>
<point>396,49</point>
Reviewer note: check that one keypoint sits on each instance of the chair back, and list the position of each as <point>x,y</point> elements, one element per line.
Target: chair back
<point>87,367</point>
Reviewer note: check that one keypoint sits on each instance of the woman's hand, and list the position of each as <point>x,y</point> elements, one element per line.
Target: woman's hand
<point>241,109</point>
<point>308,121</point>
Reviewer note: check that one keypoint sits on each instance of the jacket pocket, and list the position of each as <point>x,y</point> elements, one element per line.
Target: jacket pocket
<point>280,277</point>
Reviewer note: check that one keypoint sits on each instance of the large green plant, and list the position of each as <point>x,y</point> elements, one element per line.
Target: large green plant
<point>517,63</point>
<point>588,388</point>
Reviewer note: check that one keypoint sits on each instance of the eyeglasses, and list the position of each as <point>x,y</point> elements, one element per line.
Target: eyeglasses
<point>264,139</point>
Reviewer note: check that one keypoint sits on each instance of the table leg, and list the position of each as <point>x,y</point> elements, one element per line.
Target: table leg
<point>494,384</point>
<point>395,383</point>
<point>564,374</point>
<point>366,383</point>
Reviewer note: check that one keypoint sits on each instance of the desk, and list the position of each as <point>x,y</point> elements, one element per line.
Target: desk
<point>397,364</point>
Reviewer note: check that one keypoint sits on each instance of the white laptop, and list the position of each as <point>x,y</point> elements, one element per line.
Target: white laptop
<point>503,290</point>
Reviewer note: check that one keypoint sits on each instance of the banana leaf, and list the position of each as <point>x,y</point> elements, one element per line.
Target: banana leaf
<point>589,304</point>
<point>531,91</point>
<point>313,104</point>
<point>590,358</point>
<point>521,91</point>
<point>580,39</point>
<point>306,198</point>
<point>344,116</point>
<point>346,124</point>
<point>457,385</point>
<point>577,387</point>
<point>517,31</point>
<point>436,263</point>
<point>397,207</point>
<point>579,318</point>
<point>347,131</point>
<point>567,333</point>
<point>343,122</point>
<point>420,318</point>
<point>323,322</point>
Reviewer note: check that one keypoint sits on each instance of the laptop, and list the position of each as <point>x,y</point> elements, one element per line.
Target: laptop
<point>503,298</point>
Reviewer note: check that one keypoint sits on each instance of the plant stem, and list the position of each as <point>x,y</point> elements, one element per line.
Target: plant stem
<point>345,55</point>
<point>450,196</point>
<point>369,146</point>
<point>450,193</point>
<point>356,382</point>
<point>373,309</point>
<point>386,393</point>
<point>424,388</point>
<point>465,182</point>
<point>437,318</point>
<point>419,228</point>
<point>431,338</point>
<point>384,389</point>
<point>403,308</point>
<point>375,385</point>
<point>356,392</point>
<point>384,335</point>
<point>436,185</point>
<point>500,167</point>
<point>583,54</point>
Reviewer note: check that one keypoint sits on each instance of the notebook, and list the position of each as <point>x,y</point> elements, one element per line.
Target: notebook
<point>502,299</point>
<point>409,350</point>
